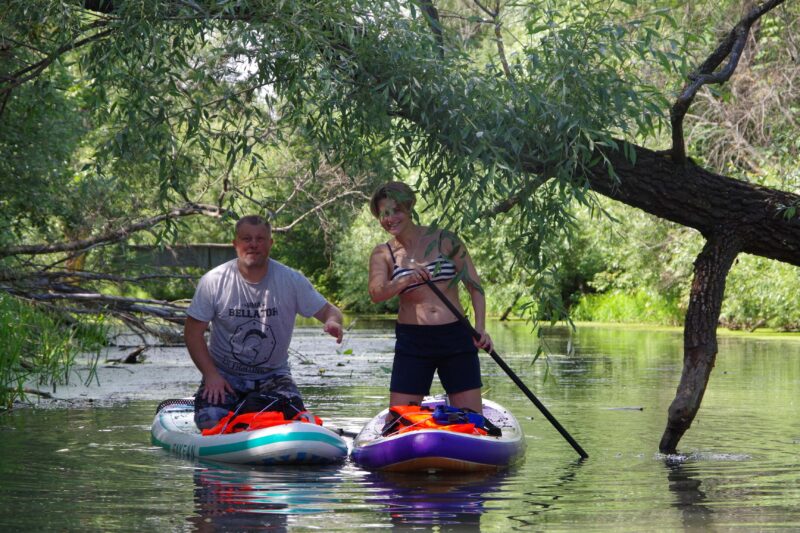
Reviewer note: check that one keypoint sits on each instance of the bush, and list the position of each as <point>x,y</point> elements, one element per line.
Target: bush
<point>38,347</point>
<point>760,292</point>
<point>639,306</point>
<point>351,266</point>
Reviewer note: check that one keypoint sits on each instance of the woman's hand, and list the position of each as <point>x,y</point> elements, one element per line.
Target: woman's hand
<point>420,274</point>
<point>484,341</point>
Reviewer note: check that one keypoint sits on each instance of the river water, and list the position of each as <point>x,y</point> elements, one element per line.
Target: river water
<point>85,463</point>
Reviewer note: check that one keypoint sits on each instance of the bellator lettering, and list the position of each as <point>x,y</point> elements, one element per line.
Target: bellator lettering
<point>252,313</point>
<point>235,366</point>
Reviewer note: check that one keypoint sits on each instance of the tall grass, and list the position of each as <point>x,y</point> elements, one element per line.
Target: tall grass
<point>39,349</point>
<point>638,306</point>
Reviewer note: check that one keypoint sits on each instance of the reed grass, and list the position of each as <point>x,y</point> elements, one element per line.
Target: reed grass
<point>40,349</point>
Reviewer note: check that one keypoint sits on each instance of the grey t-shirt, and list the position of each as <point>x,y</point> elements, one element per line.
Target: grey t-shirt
<point>252,323</point>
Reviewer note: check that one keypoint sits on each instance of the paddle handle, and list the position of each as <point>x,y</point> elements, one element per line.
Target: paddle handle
<point>518,382</point>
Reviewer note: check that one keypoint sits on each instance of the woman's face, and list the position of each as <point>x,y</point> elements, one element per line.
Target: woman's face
<point>393,217</point>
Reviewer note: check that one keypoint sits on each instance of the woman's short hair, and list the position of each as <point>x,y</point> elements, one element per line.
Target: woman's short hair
<point>397,191</point>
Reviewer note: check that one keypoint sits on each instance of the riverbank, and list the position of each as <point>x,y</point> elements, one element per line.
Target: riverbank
<point>765,333</point>
<point>168,372</point>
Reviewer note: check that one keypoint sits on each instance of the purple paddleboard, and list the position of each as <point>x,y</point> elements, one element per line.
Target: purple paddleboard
<point>427,450</point>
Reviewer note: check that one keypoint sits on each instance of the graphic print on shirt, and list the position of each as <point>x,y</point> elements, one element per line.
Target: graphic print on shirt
<point>252,343</point>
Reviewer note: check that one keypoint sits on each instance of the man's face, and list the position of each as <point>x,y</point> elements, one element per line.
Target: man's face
<point>253,243</point>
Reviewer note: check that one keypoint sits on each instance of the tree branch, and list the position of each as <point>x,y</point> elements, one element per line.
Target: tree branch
<point>501,49</point>
<point>157,307</point>
<point>113,236</point>
<point>697,198</point>
<point>30,72</point>
<point>318,208</point>
<point>731,47</point>
<point>435,23</point>
<point>71,275</point>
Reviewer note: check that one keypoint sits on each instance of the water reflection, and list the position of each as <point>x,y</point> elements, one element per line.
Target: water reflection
<point>451,502</point>
<point>546,496</point>
<point>685,484</point>
<point>230,498</point>
<point>93,468</point>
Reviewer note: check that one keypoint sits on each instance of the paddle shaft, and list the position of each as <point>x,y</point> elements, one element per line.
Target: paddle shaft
<point>344,432</point>
<point>518,382</point>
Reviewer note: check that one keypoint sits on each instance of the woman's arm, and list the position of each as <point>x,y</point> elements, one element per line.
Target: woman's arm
<point>457,251</point>
<point>381,286</point>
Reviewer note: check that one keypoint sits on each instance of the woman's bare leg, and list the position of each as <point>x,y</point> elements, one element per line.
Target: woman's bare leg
<point>401,398</point>
<point>398,398</point>
<point>469,399</point>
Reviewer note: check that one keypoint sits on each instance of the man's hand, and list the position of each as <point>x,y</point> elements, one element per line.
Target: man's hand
<point>332,319</point>
<point>334,329</point>
<point>215,388</point>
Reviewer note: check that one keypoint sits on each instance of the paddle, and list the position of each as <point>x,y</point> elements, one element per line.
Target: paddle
<point>344,432</point>
<point>510,372</point>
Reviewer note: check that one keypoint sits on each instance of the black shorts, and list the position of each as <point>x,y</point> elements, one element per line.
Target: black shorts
<point>419,351</point>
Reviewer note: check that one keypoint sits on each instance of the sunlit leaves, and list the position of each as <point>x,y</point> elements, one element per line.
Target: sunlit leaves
<point>189,96</point>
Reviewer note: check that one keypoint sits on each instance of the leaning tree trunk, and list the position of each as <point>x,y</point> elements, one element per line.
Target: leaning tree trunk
<point>757,220</point>
<point>734,216</point>
<point>700,333</point>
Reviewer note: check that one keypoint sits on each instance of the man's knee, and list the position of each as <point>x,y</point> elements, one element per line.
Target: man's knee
<point>281,385</point>
<point>207,417</point>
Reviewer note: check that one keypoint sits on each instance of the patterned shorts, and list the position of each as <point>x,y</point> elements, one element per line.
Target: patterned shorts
<point>206,414</point>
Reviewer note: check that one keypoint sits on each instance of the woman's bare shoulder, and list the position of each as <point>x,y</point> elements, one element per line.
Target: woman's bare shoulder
<point>381,249</point>
<point>449,242</point>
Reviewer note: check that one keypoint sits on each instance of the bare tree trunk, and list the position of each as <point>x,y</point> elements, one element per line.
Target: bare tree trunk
<point>700,333</point>
<point>510,307</point>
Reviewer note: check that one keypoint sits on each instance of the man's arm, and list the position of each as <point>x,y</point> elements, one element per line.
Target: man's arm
<point>215,384</point>
<point>331,316</point>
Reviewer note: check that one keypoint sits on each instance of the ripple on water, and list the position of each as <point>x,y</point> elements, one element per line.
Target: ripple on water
<point>92,467</point>
<point>680,458</point>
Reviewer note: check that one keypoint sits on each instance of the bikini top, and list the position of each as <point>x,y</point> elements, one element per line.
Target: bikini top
<point>440,269</point>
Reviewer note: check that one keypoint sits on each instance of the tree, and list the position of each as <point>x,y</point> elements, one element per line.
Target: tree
<point>107,165</point>
<point>518,137</point>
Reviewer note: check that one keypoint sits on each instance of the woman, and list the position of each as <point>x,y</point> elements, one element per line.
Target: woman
<point>429,337</point>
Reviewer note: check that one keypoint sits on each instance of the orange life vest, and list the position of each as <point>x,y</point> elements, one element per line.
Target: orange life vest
<point>233,423</point>
<point>415,417</point>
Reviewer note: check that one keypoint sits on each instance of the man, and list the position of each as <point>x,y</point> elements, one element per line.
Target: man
<point>252,302</point>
